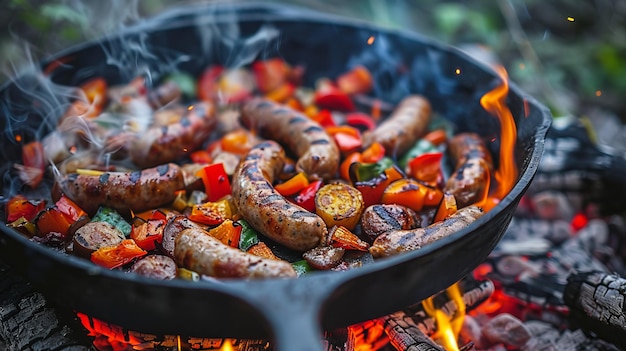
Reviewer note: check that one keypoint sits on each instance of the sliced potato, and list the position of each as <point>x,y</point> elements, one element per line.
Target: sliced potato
<point>339,204</point>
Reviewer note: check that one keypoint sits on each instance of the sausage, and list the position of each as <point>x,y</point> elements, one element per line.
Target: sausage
<point>155,266</point>
<point>198,251</point>
<point>265,209</point>
<point>399,241</point>
<point>167,143</point>
<point>407,123</point>
<point>174,226</point>
<point>324,257</point>
<point>318,155</point>
<point>93,236</point>
<point>469,182</point>
<point>381,218</point>
<point>137,191</point>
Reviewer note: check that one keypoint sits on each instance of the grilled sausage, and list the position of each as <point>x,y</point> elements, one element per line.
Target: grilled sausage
<point>198,251</point>
<point>137,191</point>
<point>167,143</point>
<point>378,219</point>
<point>174,226</point>
<point>469,182</point>
<point>318,155</point>
<point>156,267</point>
<point>93,236</point>
<point>406,124</point>
<point>265,209</point>
<point>398,241</point>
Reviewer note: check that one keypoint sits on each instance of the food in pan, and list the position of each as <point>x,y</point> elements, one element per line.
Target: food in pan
<point>251,176</point>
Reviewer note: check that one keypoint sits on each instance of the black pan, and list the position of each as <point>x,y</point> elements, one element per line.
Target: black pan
<point>291,313</point>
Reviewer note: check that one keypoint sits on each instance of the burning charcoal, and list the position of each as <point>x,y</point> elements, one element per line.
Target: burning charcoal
<point>596,300</point>
<point>577,340</point>
<point>371,333</point>
<point>404,334</point>
<point>507,330</point>
<point>471,331</point>
<point>544,336</point>
<point>551,205</point>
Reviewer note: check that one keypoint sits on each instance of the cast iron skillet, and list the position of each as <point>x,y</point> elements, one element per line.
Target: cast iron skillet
<point>291,313</point>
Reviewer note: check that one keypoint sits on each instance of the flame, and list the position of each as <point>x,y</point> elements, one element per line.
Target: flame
<point>505,176</point>
<point>227,346</point>
<point>448,328</point>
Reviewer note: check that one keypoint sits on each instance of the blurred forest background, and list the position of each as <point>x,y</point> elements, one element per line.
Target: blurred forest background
<point>569,54</point>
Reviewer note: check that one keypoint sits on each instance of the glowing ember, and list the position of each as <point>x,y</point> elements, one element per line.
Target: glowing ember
<point>495,103</point>
<point>447,328</point>
<point>228,346</point>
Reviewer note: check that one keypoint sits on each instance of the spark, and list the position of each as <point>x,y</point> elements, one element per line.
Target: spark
<point>598,92</point>
<point>570,18</point>
<point>370,40</point>
<point>457,71</point>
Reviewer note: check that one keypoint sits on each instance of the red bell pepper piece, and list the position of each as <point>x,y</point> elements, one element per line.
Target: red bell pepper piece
<point>147,234</point>
<point>360,120</point>
<point>347,138</point>
<point>208,83</point>
<point>426,167</point>
<point>215,180</point>
<point>306,197</point>
<point>70,209</point>
<point>373,189</point>
<point>52,220</point>
<point>201,156</point>
<point>356,81</point>
<point>324,118</point>
<point>270,73</point>
<point>117,256</point>
<point>332,98</point>
<point>19,206</point>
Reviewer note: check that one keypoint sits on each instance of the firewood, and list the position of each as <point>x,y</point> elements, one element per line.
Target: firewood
<point>475,293</point>
<point>596,301</point>
<point>404,335</point>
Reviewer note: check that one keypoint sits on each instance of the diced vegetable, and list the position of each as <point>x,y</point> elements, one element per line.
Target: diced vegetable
<point>207,84</point>
<point>302,267</point>
<point>328,96</point>
<point>19,206</point>
<point>373,153</point>
<point>262,250</point>
<point>293,185</point>
<point>356,81</point>
<point>109,215</point>
<point>237,141</point>
<point>340,236</point>
<point>346,165</point>
<point>306,197</point>
<point>347,138</point>
<point>426,167</point>
<point>216,181</point>
<point>185,82</point>
<point>147,234</point>
<point>407,192</point>
<point>446,208</point>
<point>372,190</point>
<point>212,213</point>
<point>52,220</point>
<point>117,256</point>
<point>423,146</point>
<point>248,236</point>
<point>34,164</point>
<point>360,120</point>
<point>270,74</point>
<point>228,232</point>
<point>24,226</point>
<point>339,204</point>
<point>362,172</point>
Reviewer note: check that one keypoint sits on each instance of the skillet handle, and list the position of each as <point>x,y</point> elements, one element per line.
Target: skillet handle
<point>292,308</point>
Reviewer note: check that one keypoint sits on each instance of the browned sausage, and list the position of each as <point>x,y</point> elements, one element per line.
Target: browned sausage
<point>473,168</point>
<point>93,236</point>
<point>265,209</point>
<point>398,241</point>
<point>406,124</point>
<point>174,226</point>
<point>156,267</point>
<point>197,250</point>
<point>167,143</point>
<point>381,218</point>
<point>137,191</point>
<point>318,155</point>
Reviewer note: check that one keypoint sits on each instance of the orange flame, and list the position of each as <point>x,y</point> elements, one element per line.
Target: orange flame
<point>505,176</point>
<point>448,328</point>
<point>227,346</point>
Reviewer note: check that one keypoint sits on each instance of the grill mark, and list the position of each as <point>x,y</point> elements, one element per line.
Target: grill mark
<point>185,122</point>
<point>302,214</point>
<point>312,129</point>
<point>381,211</point>
<point>261,146</point>
<point>135,176</point>
<point>320,142</point>
<point>72,177</point>
<point>164,130</point>
<point>104,177</point>
<point>297,119</point>
<point>270,199</point>
<point>163,169</point>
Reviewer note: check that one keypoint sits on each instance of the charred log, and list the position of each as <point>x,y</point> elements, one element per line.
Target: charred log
<point>596,301</point>
<point>404,334</point>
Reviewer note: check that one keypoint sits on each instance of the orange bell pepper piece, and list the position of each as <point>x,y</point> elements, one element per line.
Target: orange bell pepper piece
<point>293,185</point>
<point>356,81</point>
<point>227,232</point>
<point>117,256</point>
<point>341,236</point>
<point>19,206</point>
<point>406,192</point>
